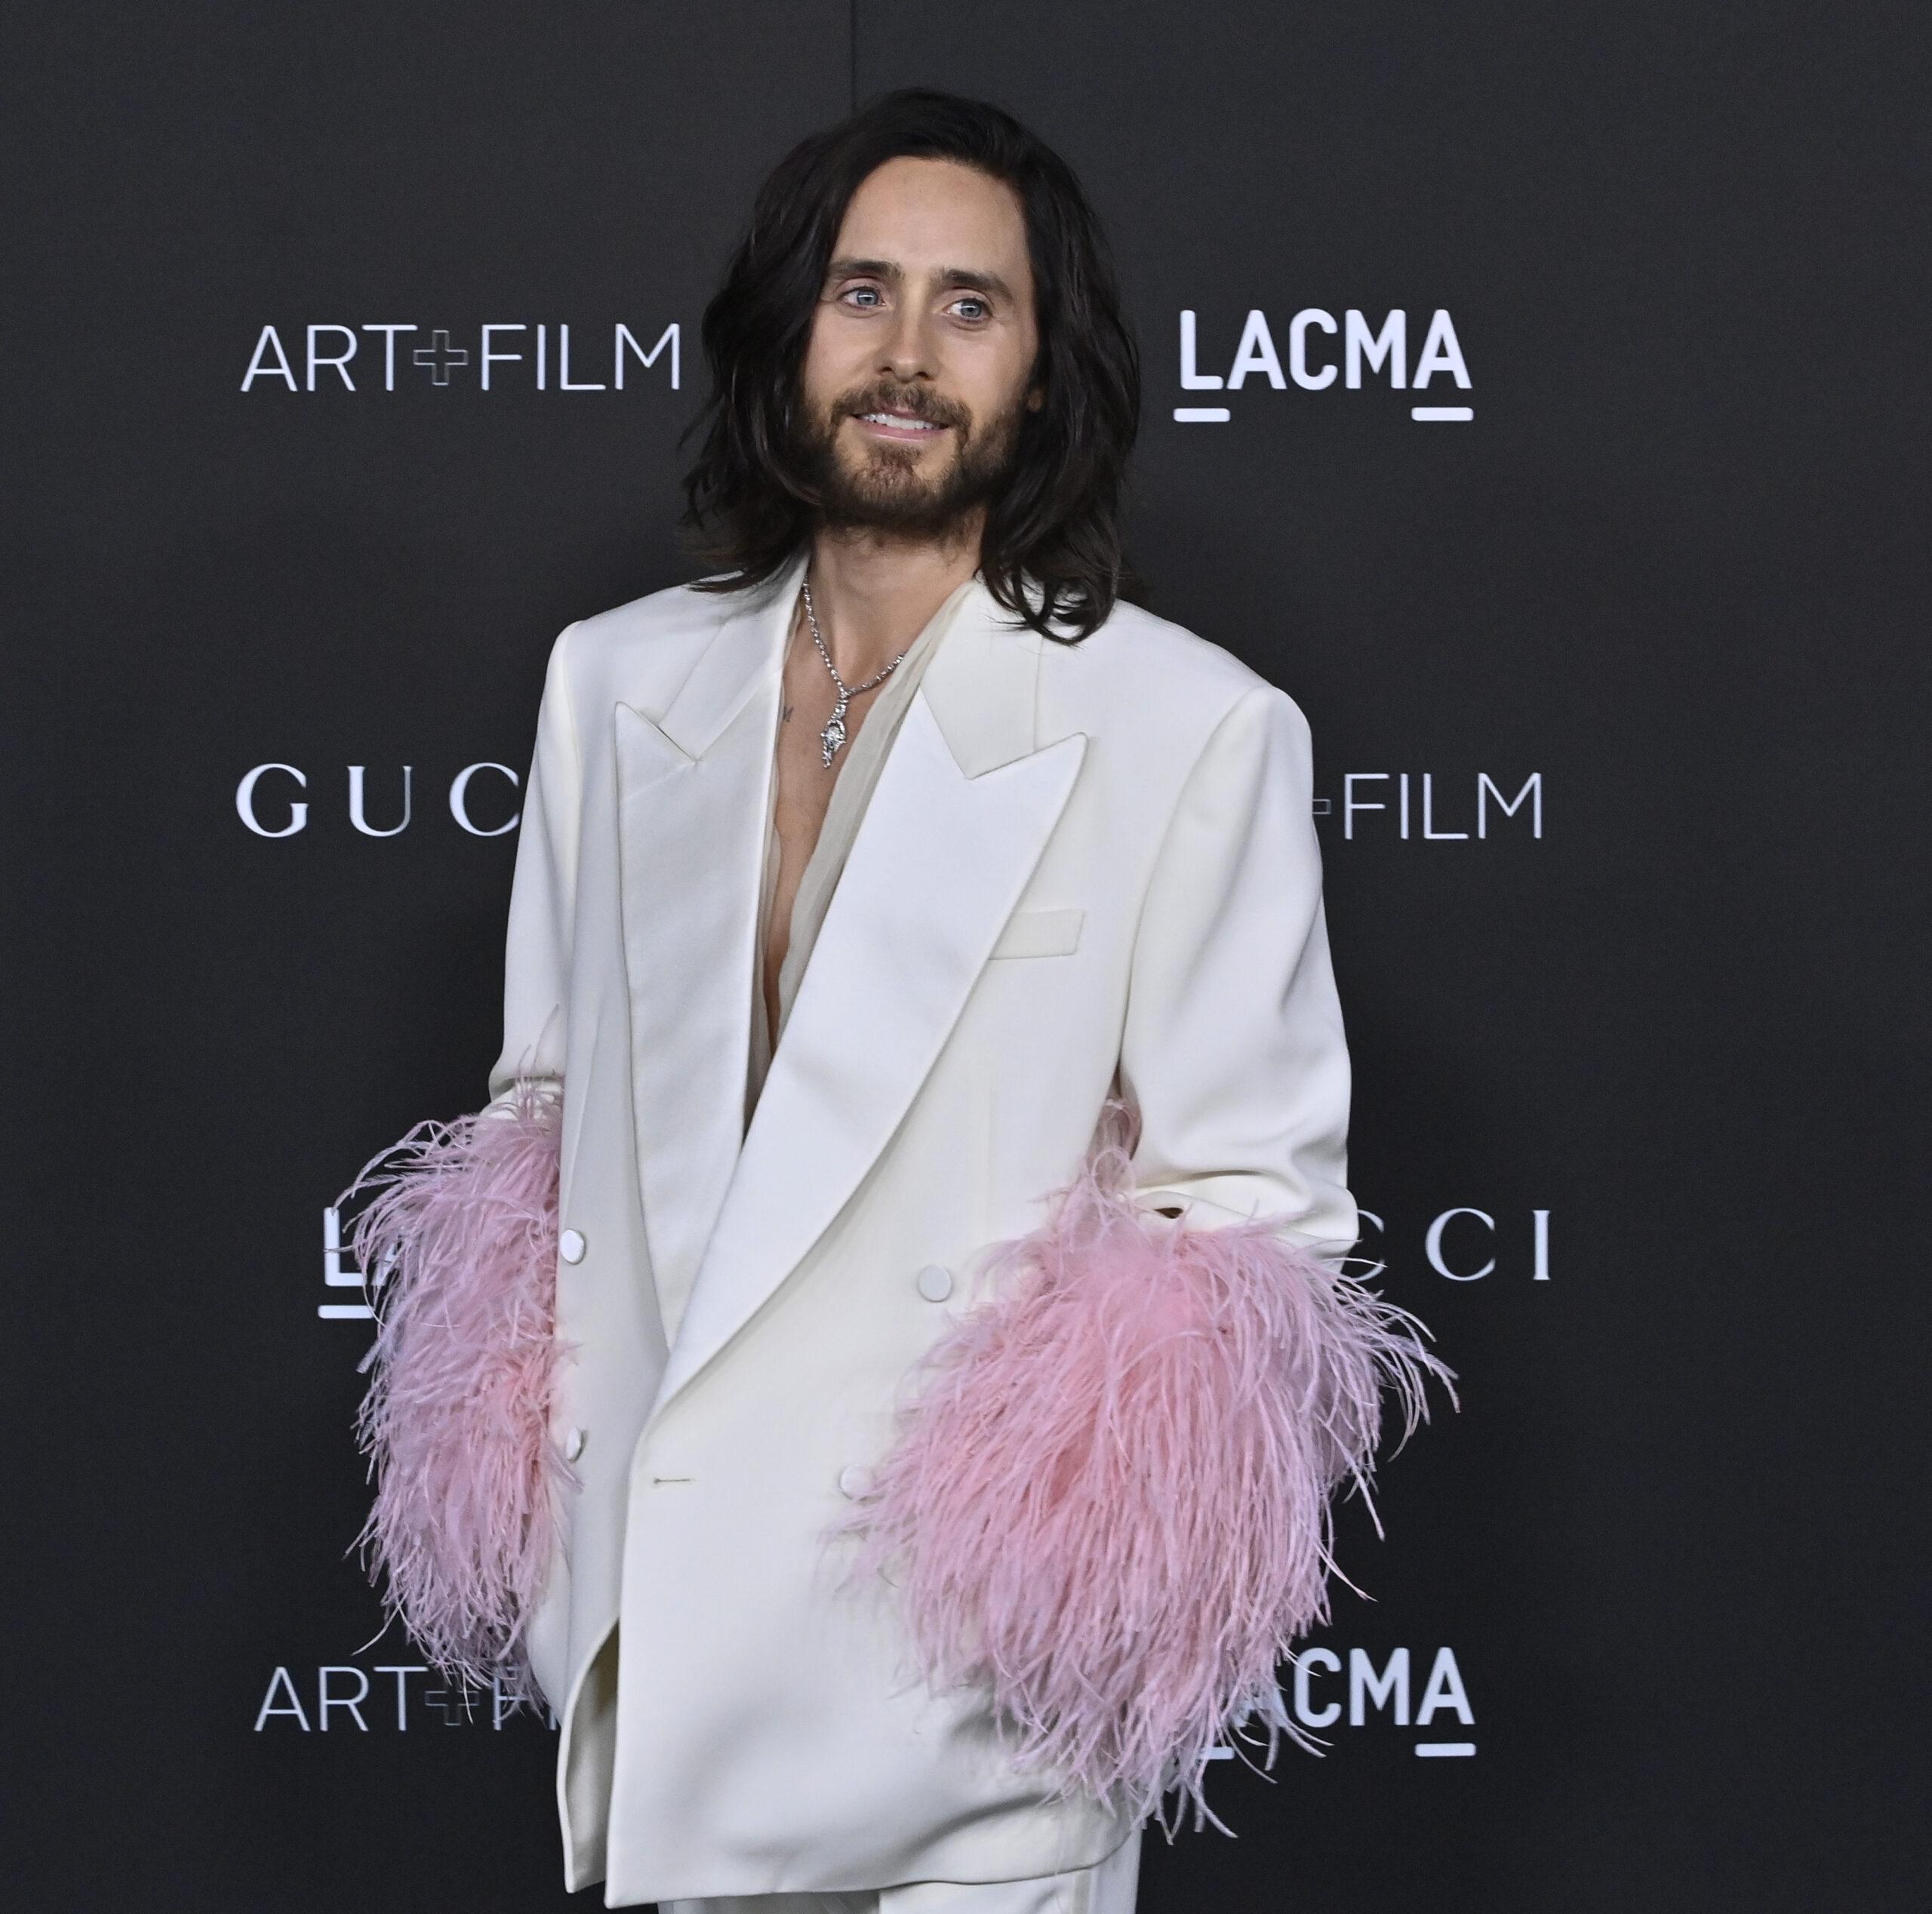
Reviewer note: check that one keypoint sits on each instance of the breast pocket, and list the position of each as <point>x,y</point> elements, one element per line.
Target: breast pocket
<point>1040,934</point>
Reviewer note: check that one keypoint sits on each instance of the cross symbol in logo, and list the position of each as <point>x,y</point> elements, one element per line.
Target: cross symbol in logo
<point>453,1707</point>
<point>439,356</point>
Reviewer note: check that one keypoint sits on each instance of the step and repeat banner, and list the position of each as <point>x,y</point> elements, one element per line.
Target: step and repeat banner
<point>1529,391</point>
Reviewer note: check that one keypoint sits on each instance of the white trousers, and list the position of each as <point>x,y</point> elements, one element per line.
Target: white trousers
<point>1107,1888</point>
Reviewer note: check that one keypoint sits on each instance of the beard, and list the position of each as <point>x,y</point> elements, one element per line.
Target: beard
<point>882,489</point>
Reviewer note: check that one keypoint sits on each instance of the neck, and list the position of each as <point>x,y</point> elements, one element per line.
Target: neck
<point>875,594</point>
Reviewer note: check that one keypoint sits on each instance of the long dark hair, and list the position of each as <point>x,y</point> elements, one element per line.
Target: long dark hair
<point>1050,553</point>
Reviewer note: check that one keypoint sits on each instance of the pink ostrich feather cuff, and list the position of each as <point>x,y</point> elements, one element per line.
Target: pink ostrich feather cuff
<point>458,1248</point>
<point>1108,1497</point>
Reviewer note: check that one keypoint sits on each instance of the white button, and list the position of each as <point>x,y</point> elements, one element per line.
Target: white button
<point>570,1246</point>
<point>574,1445</point>
<point>935,1283</point>
<point>854,1481</point>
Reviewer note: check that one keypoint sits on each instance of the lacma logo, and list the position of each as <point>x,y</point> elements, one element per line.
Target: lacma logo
<point>1328,1690</point>
<point>502,354</point>
<point>337,1274</point>
<point>1324,354</point>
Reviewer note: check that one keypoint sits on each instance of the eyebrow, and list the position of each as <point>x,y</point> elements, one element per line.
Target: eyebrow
<point>968,276</point>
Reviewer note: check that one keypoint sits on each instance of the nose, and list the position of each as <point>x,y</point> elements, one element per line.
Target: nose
<point>909,345</point>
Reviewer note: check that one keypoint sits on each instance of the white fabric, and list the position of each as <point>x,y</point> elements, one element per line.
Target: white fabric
<point>1081,865</point>
<point>1107,1888</point>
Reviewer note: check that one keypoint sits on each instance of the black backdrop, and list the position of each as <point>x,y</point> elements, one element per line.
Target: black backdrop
<point>1664,589</point>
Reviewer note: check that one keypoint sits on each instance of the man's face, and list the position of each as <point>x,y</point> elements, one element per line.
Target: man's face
<point>919,367</point>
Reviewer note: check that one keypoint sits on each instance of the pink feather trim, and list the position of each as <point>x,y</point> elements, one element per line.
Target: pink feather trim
<point>458,1250</point>
<point>1109,1500</point>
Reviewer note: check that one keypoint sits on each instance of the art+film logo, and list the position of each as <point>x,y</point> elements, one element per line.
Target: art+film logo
<point>346,1697</point>
<point>500,355</point>
<point>1407,806</point>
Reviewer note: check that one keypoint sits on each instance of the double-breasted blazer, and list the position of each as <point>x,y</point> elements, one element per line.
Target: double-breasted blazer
<point>1086,870</point>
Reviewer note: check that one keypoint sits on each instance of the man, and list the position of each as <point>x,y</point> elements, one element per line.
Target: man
<point>878,1364</point>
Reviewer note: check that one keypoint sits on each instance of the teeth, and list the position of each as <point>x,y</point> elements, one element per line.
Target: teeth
<point>905,423</point>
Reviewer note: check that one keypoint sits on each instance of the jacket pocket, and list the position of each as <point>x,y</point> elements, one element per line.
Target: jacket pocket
<point>1040,934</point>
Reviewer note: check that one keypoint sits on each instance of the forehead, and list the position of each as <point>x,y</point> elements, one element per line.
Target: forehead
<point>923,213</point>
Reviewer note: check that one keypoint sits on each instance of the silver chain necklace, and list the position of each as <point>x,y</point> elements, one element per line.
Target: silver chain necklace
<point>833,735</point>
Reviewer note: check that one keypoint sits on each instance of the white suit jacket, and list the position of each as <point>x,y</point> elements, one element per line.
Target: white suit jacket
<point>1082,867</point>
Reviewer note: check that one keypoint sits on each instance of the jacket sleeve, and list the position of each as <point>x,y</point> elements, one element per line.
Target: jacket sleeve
<point>536,954</point>
<point>1233,1050</point>
<point>457,1232</point>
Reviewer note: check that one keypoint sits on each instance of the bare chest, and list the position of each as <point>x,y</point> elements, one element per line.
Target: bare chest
<point>805,787</point>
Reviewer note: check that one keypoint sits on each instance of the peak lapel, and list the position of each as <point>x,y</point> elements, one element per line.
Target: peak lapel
<point>962,811</point>
<point>693,795</point>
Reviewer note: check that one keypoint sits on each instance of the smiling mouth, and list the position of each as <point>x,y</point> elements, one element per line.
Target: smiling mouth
<point>899,424</point>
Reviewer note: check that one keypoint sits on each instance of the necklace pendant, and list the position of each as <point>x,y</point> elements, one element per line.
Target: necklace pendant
<point>833,735</point>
